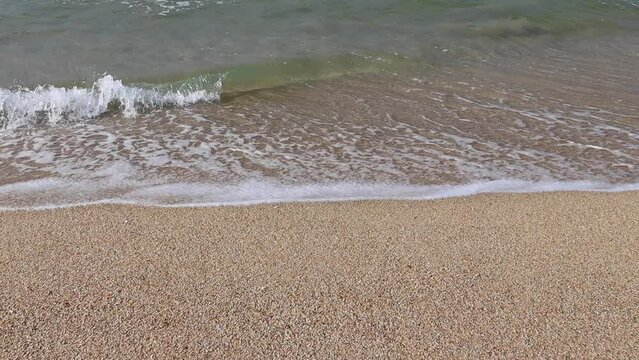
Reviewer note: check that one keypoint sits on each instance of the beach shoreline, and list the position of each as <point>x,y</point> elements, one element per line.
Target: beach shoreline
<point>503,275</point>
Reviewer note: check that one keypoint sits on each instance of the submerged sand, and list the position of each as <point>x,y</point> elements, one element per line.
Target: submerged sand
<point>547,275</point>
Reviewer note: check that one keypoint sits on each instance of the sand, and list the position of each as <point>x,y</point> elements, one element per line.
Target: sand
<point>529,275</point>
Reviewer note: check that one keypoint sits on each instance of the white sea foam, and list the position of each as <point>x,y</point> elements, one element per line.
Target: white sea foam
<point>264,192</point>
<point>51,104</point>
<point>150,7</point>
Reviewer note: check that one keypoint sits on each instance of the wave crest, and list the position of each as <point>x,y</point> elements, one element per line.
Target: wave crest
<point>47,104</point>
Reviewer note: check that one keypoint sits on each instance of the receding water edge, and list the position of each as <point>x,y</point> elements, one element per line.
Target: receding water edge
<point>199,195</point>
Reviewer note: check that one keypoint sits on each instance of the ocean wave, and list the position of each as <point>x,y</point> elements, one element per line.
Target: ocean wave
<point>48,104</point>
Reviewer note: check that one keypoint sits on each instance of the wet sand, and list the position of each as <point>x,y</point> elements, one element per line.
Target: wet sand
<point>531,275</point>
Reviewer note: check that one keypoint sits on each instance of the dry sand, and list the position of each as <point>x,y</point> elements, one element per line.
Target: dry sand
<point>548,275</point>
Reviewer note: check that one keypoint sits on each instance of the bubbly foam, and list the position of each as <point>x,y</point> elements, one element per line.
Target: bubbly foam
<point>365,131</point>
<point>265,192</point>
<point>52,105</point>
<point>166,7</point>
<point>150,7</point>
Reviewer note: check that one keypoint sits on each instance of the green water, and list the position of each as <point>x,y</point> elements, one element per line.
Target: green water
<point>258,43</point>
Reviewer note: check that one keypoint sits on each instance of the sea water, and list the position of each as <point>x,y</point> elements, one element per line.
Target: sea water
<point>203,102</point>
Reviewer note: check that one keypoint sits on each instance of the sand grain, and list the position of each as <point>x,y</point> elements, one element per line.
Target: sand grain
<point>548,275</point>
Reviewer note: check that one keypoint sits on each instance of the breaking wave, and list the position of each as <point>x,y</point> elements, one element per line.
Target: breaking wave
<point>47,104</point>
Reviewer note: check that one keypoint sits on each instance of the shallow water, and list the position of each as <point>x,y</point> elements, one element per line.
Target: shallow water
<point>207,102</point>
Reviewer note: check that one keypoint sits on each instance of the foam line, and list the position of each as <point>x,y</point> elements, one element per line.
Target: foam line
<point>263,192</point>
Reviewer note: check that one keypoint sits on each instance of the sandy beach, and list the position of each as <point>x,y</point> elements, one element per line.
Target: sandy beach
<point>529,275</point>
